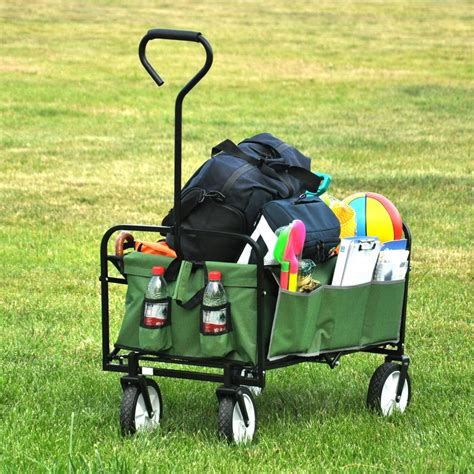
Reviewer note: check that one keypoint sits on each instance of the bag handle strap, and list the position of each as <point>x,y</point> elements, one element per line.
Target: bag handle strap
<point>310,180</point>
<point>171,274</point>
<point>229,147</point>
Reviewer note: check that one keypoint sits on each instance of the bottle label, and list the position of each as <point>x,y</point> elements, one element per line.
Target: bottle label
<point>156,314</point>
<point>214,320</point>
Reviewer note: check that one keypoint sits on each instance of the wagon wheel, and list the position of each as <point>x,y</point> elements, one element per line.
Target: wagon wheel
<point>381,396</point>
<point>231,424</point>
<point>133,412</point>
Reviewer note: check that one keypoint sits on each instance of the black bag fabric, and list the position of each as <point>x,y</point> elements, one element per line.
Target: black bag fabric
<point>228,192</point>
<point>322,226</point>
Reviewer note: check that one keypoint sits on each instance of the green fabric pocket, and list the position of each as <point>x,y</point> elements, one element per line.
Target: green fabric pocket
<point>155,334</point>
<point>138,273</point>
<point>382,315</point>
<point>217,345</point>
<point>216,339</point>
<point>333,318</point>
<point>341,316</point>
<point>294,326</point>
<point>155,339</point>
<point>240,284</point>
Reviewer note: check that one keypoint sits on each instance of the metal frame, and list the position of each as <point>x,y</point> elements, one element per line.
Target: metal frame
<point>129,363</point>
<point>114,361</point>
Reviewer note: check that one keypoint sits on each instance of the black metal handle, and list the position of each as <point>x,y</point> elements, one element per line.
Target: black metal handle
<point>179,35</point>
<point>176,35</point>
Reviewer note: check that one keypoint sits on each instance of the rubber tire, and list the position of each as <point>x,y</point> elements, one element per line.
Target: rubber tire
<point>225,417</point>
<point>129,403</point>
<point>377,382</point>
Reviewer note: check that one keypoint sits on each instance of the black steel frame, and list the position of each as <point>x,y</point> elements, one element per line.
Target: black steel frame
<point>129,362</point>
<point>115,361</point>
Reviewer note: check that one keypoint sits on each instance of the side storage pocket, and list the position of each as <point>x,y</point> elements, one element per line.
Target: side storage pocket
<point>333,318</point>
<point>216,336</point>
<point>383,312</point>
<point>329,318</point>
<point>341,316</point>
<point>154,333</point>
<point>294,325</point>
<point>137,268</point>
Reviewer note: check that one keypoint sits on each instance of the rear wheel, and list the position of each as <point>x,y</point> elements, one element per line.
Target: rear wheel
<point>231,424</point>
<point>133,412</point>
<point>381,396</point>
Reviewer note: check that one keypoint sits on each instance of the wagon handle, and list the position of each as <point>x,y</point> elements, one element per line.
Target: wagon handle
<point>178,35</point>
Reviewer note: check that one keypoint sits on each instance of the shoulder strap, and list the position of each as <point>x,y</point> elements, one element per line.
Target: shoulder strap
<point>229,147</point>
<point>310,180</point>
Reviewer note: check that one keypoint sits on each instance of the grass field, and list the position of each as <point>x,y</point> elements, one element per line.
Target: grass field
<point>379,94</point>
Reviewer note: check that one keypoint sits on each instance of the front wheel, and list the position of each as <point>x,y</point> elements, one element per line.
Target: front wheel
<point>133,412</point>
<point>381,396</point>
<point>231,424</point>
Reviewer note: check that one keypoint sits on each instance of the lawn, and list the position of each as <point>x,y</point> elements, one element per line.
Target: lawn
<point>380,95</point>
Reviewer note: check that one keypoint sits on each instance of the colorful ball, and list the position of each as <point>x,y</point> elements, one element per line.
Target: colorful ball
<point>376,216</point>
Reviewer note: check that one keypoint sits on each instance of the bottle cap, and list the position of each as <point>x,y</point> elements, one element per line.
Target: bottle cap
<point>155,271</point>
<point>215,275</point>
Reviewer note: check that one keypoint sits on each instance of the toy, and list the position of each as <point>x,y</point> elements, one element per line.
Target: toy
<point>343,212</point>
<point>375,216</point>
<point>279,251</point>
<point>284,273</point>
<point>294,250</point>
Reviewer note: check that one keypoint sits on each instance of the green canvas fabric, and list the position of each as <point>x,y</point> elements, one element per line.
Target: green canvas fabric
<point>155,339</point>
<point>382,316</point>
<point>182,337</point>
<point>328,319</point>
<point>332,318</point>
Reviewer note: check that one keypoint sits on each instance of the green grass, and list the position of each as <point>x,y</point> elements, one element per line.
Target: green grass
<point>380,95</point>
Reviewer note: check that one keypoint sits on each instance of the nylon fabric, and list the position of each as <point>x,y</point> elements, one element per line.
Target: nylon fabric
<point>228,192</point>
<point>336,318</point>
<point>185,339</point>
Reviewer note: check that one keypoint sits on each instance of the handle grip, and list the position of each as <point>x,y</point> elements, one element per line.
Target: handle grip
<point>179,35</point>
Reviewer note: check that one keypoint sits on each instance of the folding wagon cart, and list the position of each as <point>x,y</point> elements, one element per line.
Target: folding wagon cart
<point>270,327</point>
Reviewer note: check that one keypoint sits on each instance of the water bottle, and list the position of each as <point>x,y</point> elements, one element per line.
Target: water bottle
<point>156,306</point>
<point>214,317</point>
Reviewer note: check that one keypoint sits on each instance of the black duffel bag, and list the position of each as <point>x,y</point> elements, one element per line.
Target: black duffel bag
<point>228,192</point>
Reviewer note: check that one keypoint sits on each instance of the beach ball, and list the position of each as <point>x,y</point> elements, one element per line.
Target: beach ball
<point>376,216</point>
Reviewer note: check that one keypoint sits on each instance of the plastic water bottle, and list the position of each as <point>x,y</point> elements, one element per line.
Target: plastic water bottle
<point>214,301</point>
<point>156,306</point>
